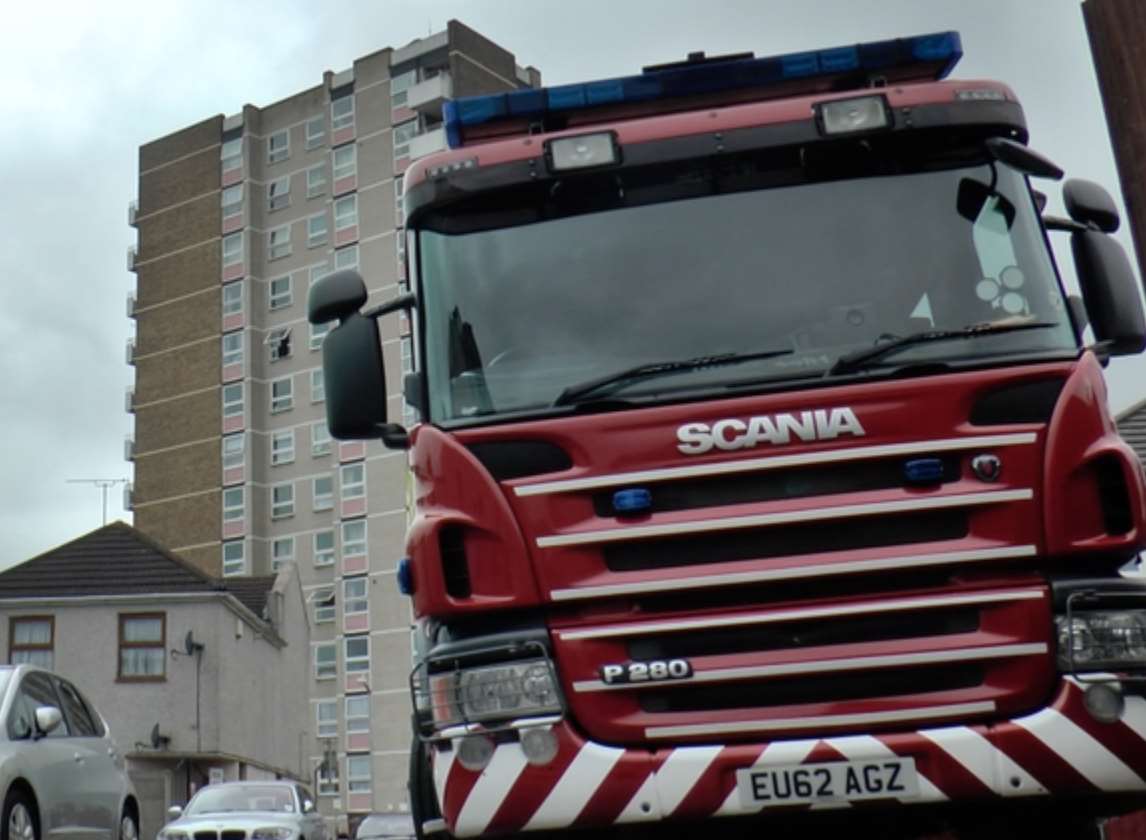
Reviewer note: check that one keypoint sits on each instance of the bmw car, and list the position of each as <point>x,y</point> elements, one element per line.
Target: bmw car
<point>281,810</point>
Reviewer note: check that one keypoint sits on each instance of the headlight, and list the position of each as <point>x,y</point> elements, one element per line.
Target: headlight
<point>172,834</point>
<point>1102,639</point>
<point>510,689</point>
<point>273,832</point>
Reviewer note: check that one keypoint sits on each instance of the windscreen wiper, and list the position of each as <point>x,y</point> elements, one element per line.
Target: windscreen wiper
<point>861,358</point>
<point>605,385</point>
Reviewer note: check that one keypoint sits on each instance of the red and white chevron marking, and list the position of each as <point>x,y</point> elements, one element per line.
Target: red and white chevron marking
<point>1059,749</point>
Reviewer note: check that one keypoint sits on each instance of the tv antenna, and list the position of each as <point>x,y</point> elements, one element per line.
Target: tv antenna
<point>104,484</point>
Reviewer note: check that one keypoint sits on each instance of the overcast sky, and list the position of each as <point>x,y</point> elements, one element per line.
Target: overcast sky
<point>85,84</point>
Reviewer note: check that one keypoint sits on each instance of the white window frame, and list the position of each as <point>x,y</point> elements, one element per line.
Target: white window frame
<point>325,605</point>
<point>328,720</point>
<point>360,662</point>
<point>231,154</point>
<point>406,345</point>
<point>322,500</point>
<point>240,559</point>
<point>282,447</point>
<point>314,139</point>
<point>282,552</point>
<point>402,146</point>
<point>321,443</point>
<point>344,162</point>
<point>233,299</point>
<point>317,234</point>
<point>316,181</point>
<point>278,193</point>
<point>280,298</point>
<point>343,217</point>
<point>278,146</point>
<point>233,407</point>
<point>356,720</point>
<point>231,201</point>
<point>359,773</point>
<point>325,670</point>
<point>339,121</point>
<point>346,258</point>
<point>317,386</point>
<point>233,348</point>
<point>278,343</point>
<point>355,595</point>
<point>234,451</point>
<point>278,242</point>
<point>354,546</point>
<point>233,249</point>
<point>324,556</point>
<point>317,272</point>
<point>234,504</point>
<point>352,481</point>
<point>318,333</point>
<point>282,500</point>
<point>400,85</point>
<point>282,394</point>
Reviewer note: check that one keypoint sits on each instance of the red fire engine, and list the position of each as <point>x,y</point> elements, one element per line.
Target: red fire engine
<point>764,462</point>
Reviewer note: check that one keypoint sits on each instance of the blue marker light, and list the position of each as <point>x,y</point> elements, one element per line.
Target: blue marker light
<point>923,471</point>
<point>632,500</point>
<point>405,575</point>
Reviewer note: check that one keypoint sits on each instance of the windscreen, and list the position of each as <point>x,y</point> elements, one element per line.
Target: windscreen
<point>238,798</point>
<point>798,272</point>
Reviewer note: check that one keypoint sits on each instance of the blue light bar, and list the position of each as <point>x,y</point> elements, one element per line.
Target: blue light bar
<point>632,500</point>
<point>923,57</point>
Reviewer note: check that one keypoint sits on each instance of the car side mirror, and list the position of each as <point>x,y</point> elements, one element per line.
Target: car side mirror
<point>1109,291</point>
<point>175,812</point>
<point>307,806</point>
<point>1089,204</point>
<point>47,719</point>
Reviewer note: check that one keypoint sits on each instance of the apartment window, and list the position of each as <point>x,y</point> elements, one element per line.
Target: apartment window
<point>358,779</point>
<point>234,558</point>
<point>279,293</point>
<point>278,342</point>
<point>142,646</point>
<point>323,605</point>
<point>354,596</point>
<point>399,85</point>
<point>316,180</point>
<point>346,258</point>
<point>317,272</point>
<point>231,153</point>
<point>357,654</point>
<point>282,394</point>
<point>282,552</point>
<point>354,537</point>
<point>232,201</point>
<point>399,211</point>
<point>282,500</point>
<point>407,345</point>
<point>233,400</point>
<point>345,162</point>
<point>282,447</point>
<point>324,549</point>
<point>315,132</point>
<point>234,504</point>
<point>352,480</point>
<point>233,249</point>
<point>322,492</point>
<point>320,440</point>
<point>278,146</point>
<point>318,333</point>
<point>278,193</point>
<point>326,660</point>
<point>234,451</point>
<point>346,212</point>
<point>326,716</point>
<point>278,243</point>
<point>317,386</point>
<point>232,349</point>
<point>233,298</point>
<point>328,780</point>
<point>358,713</point>
<point>342,112</point>
<point>31,639</point>
<point>316,230</point>
<point>403,134</point>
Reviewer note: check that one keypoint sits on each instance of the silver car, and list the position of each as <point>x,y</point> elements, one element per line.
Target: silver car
<point>247,811</point>
<point>60,774</point>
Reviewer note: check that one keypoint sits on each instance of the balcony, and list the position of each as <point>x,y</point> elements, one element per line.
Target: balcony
<point>127,496</point>
<point>129,400</point>
<point>132,212</point>
<point>427,96</point>
<point>130,354</point>
<point>128,449</point>
<point>131,304</point>
<point>131,254</point>
<point>427,143</point>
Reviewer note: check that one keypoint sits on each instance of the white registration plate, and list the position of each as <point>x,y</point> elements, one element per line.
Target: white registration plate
<point>829,782</point>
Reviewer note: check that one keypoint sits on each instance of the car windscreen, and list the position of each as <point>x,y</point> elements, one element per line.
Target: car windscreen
<point>237,798</point>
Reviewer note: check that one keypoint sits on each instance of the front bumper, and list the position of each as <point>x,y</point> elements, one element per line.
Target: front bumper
<point>1059,750</point>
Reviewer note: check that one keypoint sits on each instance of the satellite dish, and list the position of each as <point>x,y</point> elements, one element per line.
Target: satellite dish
<point>190,646</point>
<point>159,741</point>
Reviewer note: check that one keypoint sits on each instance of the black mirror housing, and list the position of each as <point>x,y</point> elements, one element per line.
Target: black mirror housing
<point>335,296</point>
<point>1109,290</point>
<point>355,378</point>
<point>1089,204</point>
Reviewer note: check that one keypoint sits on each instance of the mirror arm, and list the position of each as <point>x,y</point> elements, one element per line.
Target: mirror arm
<point>406,301</point>
<point>394,436</point>
<point>1069,225</point>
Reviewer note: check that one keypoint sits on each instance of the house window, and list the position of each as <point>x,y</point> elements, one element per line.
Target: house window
<point>326,715</point>
<point>282,447</point>
<point>317,386</point>
<point>354,596</point>
<point>358,779</point>
<point>278,243</point>
<point>403,134</point>
<point>399,85</point>
<point>234,452</point>
<point>282,500</point>
<point>282,551</point>
<point>278,146</point>
<point>317,272</point>
<point>323,605</point>
<point>357,649</point>
<point>233,299</point>
<point>342,112</point>
<point>316,231</point>
<point>142,646</point>
<point>346,213</point>
<point>358,713</point>
<point>407,345</point>
<point>30,640</point>
<point>352,480</point>
<point>324,549</point>
<point>318,333</point>
<point>233,400</point>
<point>346,258</point>
<point>328,780</point>
<point>234,558</point>
<point>234,504</point>
<point>279,293</point>
<point>325,660</point>
<point>232,349</point>
<point>320,441</point>
<point>282,394</point>
<point>316,180</point>
<point>233,249</point>
<point>232,201</point>
<point>278,340</point>
<point>315,132</point>
<point>345,162</point>
<point>353,537</point>
<point>278,193</point>
<point>322,491</point>
<point>231,154</point>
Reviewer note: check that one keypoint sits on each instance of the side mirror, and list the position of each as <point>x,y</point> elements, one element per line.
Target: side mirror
<point>335,296</point>
<point>1089,204</point>
<point>47,719</point>
<point>175,812</point>
<point>307,806</point>
<point>1109,292</point>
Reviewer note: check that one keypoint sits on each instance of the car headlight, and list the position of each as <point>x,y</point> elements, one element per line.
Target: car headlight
<point>272,832</point>
<point>1101,639</point>
<point>508,689</point>
<point>172,834</point>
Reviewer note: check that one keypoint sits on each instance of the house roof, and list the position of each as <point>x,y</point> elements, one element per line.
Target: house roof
<point>117,559</point>
<point>1132,427</point>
